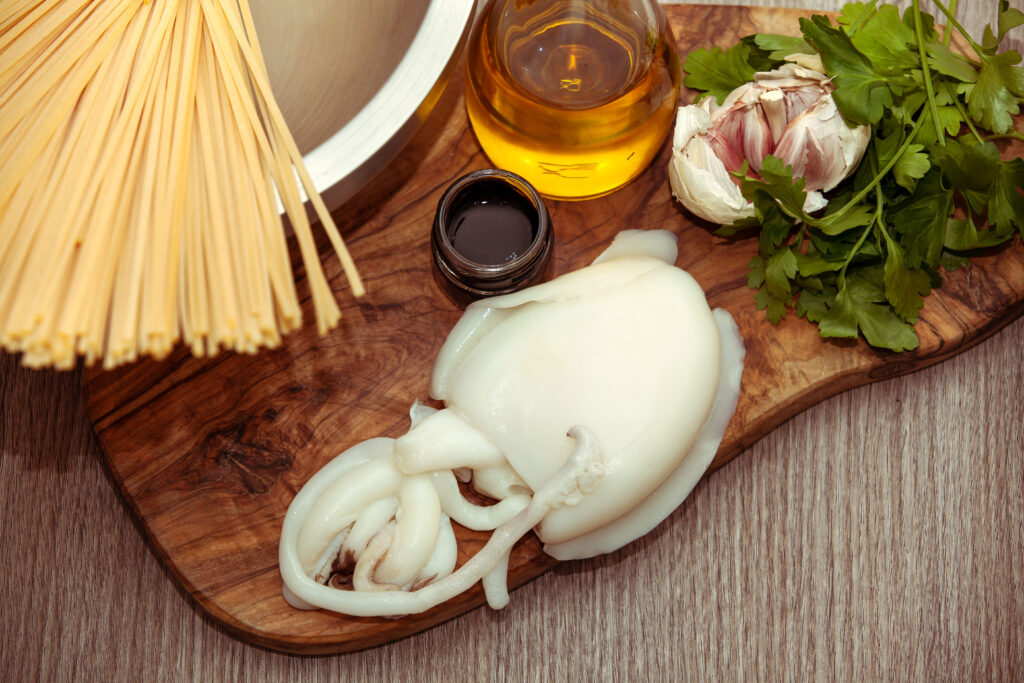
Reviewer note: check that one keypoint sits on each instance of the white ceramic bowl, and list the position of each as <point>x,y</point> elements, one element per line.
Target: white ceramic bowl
<point>356,78</point>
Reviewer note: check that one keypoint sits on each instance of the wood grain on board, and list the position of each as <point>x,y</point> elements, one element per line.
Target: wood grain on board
<point>208,453</point>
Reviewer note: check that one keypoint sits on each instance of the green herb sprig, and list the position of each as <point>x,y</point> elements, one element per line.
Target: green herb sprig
<point>864,266</point>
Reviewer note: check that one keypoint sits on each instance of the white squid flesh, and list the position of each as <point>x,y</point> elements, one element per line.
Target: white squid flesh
<point>588,407</point>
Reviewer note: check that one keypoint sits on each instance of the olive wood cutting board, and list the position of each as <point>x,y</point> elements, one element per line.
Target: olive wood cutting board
<point>208,453</point>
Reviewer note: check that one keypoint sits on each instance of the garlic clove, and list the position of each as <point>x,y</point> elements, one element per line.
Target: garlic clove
<point>812,62</point>
<point>821,147</point>
<point>699,178</point>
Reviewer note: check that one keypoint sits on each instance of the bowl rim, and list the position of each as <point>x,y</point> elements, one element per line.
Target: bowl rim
<point>405,95</point>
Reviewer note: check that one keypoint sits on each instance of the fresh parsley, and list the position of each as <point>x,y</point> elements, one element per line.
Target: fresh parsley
<point>930,191</point>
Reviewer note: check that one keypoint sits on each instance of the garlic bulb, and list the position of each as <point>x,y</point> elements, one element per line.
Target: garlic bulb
<point>788,113</point>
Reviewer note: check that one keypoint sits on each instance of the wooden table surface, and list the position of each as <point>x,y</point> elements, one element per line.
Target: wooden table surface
<point>879,535</point>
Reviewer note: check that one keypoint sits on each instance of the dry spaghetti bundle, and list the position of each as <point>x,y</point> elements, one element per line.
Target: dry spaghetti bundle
<point>142,157</point>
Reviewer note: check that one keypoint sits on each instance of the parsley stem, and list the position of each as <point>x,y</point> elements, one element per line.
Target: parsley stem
<point>956,24</point>
<point>933,108</point>
<point>963,114</point>
<point>880,216</point>
<point>946,33</point>
<point>1012,135</point>
<point>875,180</point>
<point>867,228</point>
<point>864,15</point>
<point>853,252</point>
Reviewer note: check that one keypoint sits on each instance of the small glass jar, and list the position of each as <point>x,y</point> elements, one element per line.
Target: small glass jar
<point>491,235</point>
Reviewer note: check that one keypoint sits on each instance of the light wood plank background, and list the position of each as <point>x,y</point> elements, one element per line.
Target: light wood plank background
<point>878,536</point>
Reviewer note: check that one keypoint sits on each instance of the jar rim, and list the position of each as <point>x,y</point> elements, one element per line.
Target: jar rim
<point>460,264</point>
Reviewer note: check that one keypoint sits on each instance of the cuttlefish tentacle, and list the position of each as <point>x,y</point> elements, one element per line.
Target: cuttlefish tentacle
<point>495,583</point>
<point>387,543</point>
<point>577,476</point>
<point>417,528</point>
<point>476,517</point>
<point>369,524</point>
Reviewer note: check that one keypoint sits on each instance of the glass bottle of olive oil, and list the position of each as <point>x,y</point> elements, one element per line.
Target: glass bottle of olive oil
<point>576,96</point>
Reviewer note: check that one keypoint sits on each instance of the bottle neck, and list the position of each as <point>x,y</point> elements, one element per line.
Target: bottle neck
<point>574,54</point>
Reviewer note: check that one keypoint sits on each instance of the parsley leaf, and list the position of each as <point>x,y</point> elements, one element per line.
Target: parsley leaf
<point>1006,202</point>
<point>962,235</point>
<point>854,14</point>
<point>718,72</point>
<point>755,276</point>
<point>1009,18</point>
<point>780,47</point>
<point>911,166</point>
<point>862,95</point>
<point>780,269</point>
<point>809,265</point>
<point>857,217</point>
<point>970,168</point>
<point>814,305</point>
<point>777,182</point>
<point>994,98</point>
<point>775,309</point>
<point>921,220</point>
<point>904,288</point>
<point>860,306</point>
<point>944,61</point>
<point>884,40</point>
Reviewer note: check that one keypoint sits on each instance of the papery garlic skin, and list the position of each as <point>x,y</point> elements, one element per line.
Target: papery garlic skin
<point>698,177</point>
<point>788,113</point>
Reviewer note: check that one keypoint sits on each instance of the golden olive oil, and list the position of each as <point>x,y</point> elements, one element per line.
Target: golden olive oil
<point>576,97</point>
